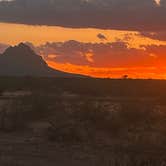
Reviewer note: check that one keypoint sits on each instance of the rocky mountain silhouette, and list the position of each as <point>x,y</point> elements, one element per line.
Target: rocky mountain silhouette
<point>21,60</point>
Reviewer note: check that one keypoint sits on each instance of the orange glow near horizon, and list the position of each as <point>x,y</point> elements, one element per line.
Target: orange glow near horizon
<point>134,72</point>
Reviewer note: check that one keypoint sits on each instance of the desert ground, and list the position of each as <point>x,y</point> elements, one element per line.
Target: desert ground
<point>59,125</point>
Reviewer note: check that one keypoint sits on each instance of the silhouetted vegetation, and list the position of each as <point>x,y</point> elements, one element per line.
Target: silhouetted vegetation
<point>87,86</point>
<point>127,116</point>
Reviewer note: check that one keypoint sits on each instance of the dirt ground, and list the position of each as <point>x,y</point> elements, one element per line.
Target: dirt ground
<point>25,150</point>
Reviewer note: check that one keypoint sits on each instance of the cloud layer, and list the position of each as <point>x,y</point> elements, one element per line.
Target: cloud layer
<point>107,55</point>
<point>106,60</point>
<point>140,15</point>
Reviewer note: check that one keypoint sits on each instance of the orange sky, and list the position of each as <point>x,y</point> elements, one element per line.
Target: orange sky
<point>15,33</point>
<point>134,72</point>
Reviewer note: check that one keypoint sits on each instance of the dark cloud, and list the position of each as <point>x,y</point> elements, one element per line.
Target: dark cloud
<point>155,35</point>
<point>116,54</point>
<point>101,36</point>
<point>106,14</point>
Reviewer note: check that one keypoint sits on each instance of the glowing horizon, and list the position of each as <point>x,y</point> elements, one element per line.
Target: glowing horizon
<point>134,73</point>
<point>90,39</point>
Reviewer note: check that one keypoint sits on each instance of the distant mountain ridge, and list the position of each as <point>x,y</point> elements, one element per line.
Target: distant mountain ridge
<point>21,60</point>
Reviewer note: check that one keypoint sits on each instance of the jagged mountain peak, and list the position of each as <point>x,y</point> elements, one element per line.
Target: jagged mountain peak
<point>20,49</point>
<point>21,60</point>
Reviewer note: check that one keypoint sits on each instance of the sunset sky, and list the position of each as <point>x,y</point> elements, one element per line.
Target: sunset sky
<point>100,38</point>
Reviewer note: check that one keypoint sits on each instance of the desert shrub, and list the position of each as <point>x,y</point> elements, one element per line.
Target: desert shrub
<point>135,113</point>
<point>69,132</point>
<point>38,106</point>
<point>11,116</point>
<point>74,126</point>
<point>88,113</point>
